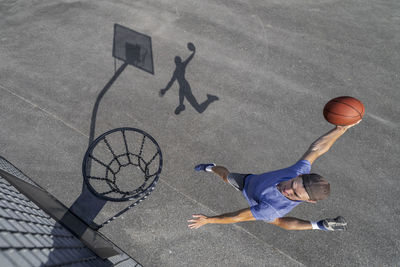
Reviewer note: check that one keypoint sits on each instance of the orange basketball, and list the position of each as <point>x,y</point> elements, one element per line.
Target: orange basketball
<point>344,110</point>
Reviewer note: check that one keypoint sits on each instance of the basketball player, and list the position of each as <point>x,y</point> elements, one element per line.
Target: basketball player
<point>273,194</point>
<point>185,91</point>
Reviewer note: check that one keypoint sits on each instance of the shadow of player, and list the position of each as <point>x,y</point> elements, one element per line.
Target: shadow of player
<point>184,87</point>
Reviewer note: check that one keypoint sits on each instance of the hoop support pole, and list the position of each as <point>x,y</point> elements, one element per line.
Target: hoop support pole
<point>123,211</point>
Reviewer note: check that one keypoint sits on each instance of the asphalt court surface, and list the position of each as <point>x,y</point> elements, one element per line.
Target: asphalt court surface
<point>272,64</point>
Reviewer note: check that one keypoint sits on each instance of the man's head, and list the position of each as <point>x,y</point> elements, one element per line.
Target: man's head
<point>307,187</point>
<point>178,60</point>
<point>317,187</point>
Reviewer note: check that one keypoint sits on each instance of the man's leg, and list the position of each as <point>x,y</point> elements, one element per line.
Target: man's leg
<point>221,172</point>
<point>237,180</point>
<point>181,106</point>
<point>200,108</point>
<point>211,167</point>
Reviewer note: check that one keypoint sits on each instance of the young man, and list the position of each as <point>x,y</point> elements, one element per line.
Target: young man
<point>272,195</point>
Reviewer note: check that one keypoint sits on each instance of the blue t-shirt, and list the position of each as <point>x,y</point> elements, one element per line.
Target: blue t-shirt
<point>265,200</point>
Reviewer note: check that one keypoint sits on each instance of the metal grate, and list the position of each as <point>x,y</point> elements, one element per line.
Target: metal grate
<point>30,237</point>
<point>8,167</point>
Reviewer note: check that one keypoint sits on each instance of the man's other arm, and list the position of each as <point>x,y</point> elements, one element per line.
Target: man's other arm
<point>291,223</point>
<point>232,217</point>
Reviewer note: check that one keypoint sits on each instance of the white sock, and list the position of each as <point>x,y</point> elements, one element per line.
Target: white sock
<point>314,226</point>
<point>209,168</point>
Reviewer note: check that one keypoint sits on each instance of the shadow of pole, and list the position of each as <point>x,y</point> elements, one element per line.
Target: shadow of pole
<point>102,93</point>
<point>185,90</point>
<point>87,205</point>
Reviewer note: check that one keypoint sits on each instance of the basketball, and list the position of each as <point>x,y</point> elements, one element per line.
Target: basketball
<point>191,47</point>
<point>344,110</point>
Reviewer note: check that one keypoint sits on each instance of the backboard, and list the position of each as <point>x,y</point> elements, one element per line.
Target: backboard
<point>133,47</point>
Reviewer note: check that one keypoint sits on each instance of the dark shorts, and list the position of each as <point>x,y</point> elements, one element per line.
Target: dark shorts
<point>237,180</point>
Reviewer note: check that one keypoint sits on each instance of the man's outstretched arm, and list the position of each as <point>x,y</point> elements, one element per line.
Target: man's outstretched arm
<point>324,143</point>
<point>291,223</point>
<point>232,217</point>
<point>170,83</point>
<point>189,59</point>
<point>287,223</point>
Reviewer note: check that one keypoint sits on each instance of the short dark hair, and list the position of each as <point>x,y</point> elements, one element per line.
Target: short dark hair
<point>317,187</point>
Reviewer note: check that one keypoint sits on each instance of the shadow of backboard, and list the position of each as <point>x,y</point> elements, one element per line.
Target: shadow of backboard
<point>133,48</point>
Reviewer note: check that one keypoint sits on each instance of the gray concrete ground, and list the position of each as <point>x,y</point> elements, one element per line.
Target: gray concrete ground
<point>273,64</point>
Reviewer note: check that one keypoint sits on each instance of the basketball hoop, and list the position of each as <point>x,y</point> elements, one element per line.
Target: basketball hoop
<point>115,169</point>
